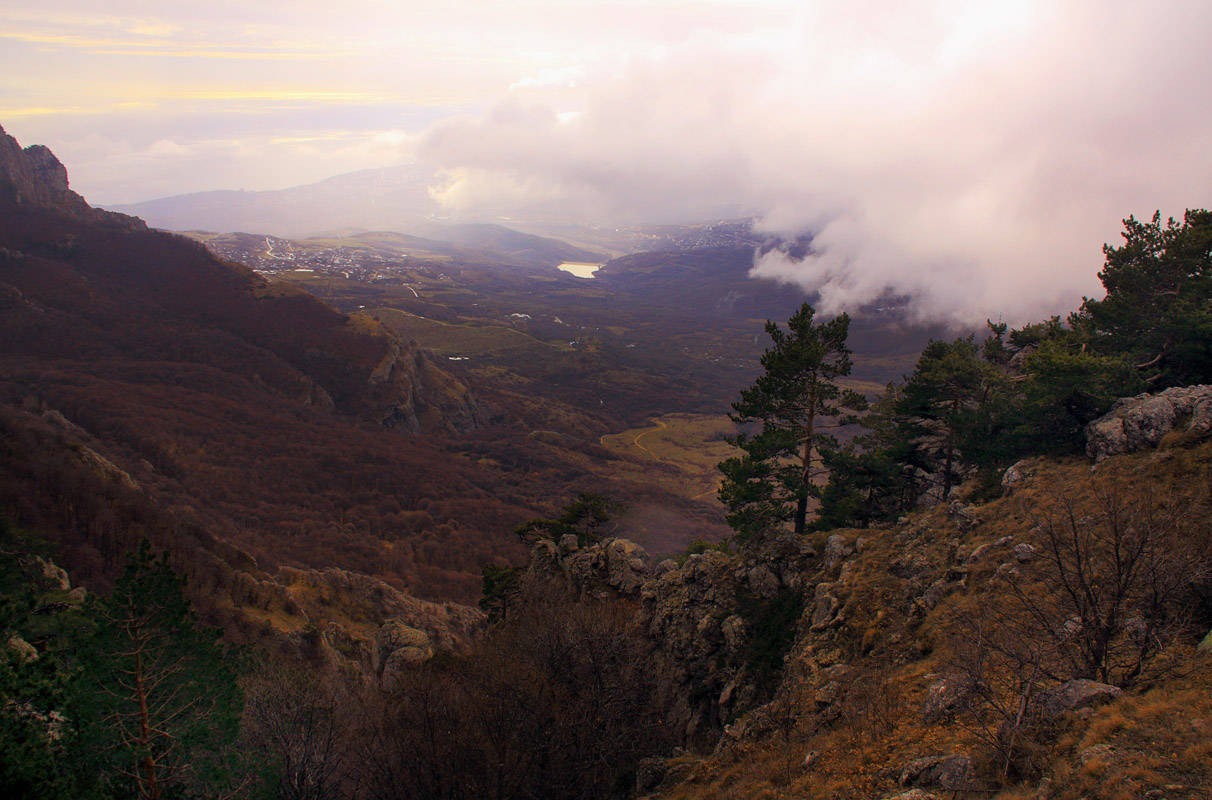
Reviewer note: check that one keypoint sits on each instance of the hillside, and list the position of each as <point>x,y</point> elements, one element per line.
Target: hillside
<point>306,437</point>
<point>243,404</point>
<point>959,652</point>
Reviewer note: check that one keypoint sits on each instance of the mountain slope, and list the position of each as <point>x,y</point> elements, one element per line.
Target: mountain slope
<point>249,408</point>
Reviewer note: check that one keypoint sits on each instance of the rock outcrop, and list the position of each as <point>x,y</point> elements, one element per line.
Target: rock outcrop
<point>34,177</point>
<point>1140,423</point>
<point>412,393</point>
<point>450,627</point>
<point>1076,694</point>
<point>613,565</point>
<point>398,646</point>
<point>952,772</point>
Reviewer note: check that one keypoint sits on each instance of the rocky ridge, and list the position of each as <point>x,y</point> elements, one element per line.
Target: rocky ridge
<point>414,394</point>
<point>879,607</point>
<point>35,177</point>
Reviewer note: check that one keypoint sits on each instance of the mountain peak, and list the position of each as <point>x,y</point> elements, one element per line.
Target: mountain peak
<point>35,177</point>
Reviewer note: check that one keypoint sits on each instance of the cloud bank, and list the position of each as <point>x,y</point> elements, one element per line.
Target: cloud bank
<point>975,156</point>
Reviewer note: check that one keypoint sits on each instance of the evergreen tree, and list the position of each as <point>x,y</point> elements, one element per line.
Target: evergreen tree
<point>795,401</point>
<point>166,703</point>
<point>1065,388</point>
<point>950,403</point>
<point>1158,308</point>
<point>876,477</point>
<point>589,517</point>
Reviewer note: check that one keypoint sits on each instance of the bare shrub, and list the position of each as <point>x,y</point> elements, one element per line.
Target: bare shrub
<point>1105,588</point>
<point>301,723</point>
<point>560,701</point>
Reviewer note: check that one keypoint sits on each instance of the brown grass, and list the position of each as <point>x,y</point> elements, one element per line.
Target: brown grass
<point>1160,734</point>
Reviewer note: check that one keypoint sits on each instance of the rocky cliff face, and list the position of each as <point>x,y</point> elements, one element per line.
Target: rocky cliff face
<point>34,177</point>
<point>699,614</point>
<point>345,620</point>
<point>411,392</point>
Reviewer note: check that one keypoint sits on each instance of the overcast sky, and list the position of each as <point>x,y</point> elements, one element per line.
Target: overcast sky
<point>974,154</point>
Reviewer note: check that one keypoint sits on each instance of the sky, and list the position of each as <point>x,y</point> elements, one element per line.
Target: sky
<point>975,155</point>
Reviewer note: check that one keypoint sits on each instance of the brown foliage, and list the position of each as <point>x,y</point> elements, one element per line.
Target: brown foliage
<point>559,702</point>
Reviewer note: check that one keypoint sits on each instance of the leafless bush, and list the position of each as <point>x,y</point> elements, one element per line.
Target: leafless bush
<point>874,704</point>
<point>1112,586</point>
<point>559,702</point>
<point>301,723</point>
<point>1106,587</point>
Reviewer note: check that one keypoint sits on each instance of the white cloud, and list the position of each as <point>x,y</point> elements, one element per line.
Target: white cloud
<point>974,155</point>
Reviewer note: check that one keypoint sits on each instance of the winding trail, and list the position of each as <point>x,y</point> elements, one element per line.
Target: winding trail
<point>658,426</point>
<point>636,441</point>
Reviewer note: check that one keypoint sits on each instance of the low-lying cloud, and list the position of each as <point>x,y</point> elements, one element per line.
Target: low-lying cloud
<point>975,156</point>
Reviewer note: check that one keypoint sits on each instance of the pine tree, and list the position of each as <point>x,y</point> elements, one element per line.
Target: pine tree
<point>796,401</point>
<point>165,699</point>
<point>949,400</point>
<point>1158,308</point>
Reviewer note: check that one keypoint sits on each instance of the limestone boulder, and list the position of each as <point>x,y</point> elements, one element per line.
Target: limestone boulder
<point>1140,423</point>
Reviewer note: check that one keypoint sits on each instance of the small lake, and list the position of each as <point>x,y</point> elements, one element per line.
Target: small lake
<point>582,269</point>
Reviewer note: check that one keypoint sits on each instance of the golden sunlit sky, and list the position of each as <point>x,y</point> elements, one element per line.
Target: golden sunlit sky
<point>976,154</point>
<point>146,99</point>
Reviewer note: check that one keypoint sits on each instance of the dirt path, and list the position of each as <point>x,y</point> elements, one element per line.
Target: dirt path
<point>636,441</point>
<point>691,475</point>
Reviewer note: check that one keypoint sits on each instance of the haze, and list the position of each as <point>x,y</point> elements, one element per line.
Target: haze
<point>973,155</point>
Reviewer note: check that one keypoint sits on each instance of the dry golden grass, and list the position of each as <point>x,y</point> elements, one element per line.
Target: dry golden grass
<point>1159,734</point>
<point>690,443</point>
<point>457,340</point>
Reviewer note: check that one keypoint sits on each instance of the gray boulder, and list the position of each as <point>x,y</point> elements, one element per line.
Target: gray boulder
<point>1016,473</point>
<point>1076,694</point>
<point>626,565</point>
<point>945,697</point>
<point>837,550</point>
<point>397,645</point>
<point>826,607</point>
<point>763,582</point>
<point>954,772</point>
<point>1139,423</point>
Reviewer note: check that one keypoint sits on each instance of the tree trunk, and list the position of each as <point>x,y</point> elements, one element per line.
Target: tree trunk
<point>801,506</point>
<point>950,450</point>
<point>151,787</point>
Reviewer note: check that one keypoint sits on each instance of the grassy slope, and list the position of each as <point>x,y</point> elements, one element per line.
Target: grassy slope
<point>894,648</point>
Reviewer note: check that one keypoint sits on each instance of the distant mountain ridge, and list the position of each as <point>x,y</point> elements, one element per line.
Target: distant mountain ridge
<point>389,198</point>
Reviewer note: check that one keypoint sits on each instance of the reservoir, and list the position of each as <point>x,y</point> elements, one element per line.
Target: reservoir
<point>582,269</point>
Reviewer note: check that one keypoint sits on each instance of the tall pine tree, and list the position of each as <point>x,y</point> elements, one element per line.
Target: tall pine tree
<point>796,402</point>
